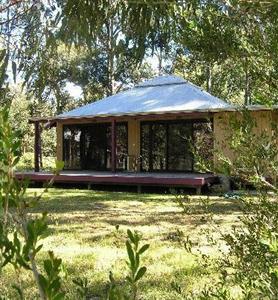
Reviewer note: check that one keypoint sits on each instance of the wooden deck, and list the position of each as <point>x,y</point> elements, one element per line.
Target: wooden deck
<point>192,180</point>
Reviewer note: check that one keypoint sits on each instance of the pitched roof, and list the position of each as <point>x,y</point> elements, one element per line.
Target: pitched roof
<point>163,94</point>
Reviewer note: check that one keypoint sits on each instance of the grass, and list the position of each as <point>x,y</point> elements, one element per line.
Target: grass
<point>82,232</point>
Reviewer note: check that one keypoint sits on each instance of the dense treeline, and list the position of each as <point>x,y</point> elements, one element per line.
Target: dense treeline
<point>228,47</point>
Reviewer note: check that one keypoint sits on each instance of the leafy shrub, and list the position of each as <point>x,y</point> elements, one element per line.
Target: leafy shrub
<point>253,249</point>
<point>251,263</point>
<point>21,235</point>
<point>136,271</point>
<point>26,162</point>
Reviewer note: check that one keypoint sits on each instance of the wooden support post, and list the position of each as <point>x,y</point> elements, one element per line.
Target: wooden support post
<point>199,190</point>
<point>113,146</point>
<point>37,146</point>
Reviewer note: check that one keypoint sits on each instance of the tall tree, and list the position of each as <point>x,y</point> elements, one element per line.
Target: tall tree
<point>212,34</point>
<point>230,50</point>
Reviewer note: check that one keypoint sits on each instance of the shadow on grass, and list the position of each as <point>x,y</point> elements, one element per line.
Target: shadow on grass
<point>87,212</point>
<point>102,195</point>
<point>69,201</point>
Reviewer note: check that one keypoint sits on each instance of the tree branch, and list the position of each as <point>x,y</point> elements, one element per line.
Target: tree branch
<point>11,4</point>
<point>15,17</point>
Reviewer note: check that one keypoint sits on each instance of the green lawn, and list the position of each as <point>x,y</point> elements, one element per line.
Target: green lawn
<point>82,232</point>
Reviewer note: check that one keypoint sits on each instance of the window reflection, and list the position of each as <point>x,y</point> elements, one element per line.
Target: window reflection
<point>168,145</point>
<point>88,147</point>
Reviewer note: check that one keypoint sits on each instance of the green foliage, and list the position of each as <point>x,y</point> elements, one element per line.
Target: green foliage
<point>223,49</point>
<point>114,291</point>
<point>134,253</point>
<point>251,260</point>
<point>253,248</point>
<point>250,265</point>
<point>51,282</point>
<point>183,200</point>
<point>82,287</point>
<point>136,271</point>
<point>22,107</point>
<point>229,48</point>
<point>12,251</point>
<point>26,162</point>
<point>254,151</point>
<point>202,147</point>
<point>20,235</point>
<point>200,206</point>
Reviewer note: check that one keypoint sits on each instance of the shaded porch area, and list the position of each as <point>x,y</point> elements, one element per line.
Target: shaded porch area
<point>139,179</point>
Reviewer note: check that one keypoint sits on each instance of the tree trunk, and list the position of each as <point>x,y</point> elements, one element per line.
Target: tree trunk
<point>58,96</point>
<point>208,77</point>
<point>110,58</point>
<point>247,100</point>
<point>160,61</point>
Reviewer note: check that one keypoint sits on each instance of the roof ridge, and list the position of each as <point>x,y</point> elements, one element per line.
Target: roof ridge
<point>161,80</point>
<point>161,84</point>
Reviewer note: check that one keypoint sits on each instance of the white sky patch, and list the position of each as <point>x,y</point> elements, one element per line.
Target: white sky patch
<point>153,61</point>
<point>74,90</point>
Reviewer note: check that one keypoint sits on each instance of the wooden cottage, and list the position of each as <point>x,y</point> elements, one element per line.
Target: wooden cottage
<point>141,136</point>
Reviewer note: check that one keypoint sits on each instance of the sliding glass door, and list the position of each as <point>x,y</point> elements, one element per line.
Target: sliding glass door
<point>180,156</point>
<point>88,146</point>
<point>168,145</point>
<point>153,147</point>
<point>95,147</point>
<point>71,147</point>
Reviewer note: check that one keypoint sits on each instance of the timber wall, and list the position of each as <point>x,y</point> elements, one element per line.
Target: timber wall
<point>222,131</point>
<point>133,145</point>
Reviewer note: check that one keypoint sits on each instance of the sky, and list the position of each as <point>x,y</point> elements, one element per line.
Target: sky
<point>74,90</point>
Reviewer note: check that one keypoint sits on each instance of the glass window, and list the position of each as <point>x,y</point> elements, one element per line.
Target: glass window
<point>96,147</point>
<point>168,145</point>
<point>179,152</point>
<point>121,146</point>
<point>72,135</point>
<point>203,143</point>
<point>88,146</point>
<point>154,146</point>
<point>159,147</point>
<point>145,147</point>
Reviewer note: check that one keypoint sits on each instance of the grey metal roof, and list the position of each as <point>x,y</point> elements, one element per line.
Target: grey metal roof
<point>163,94</point>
